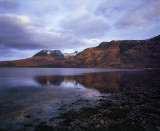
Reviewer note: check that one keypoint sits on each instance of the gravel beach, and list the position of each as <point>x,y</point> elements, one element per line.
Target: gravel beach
<point>134,109</point>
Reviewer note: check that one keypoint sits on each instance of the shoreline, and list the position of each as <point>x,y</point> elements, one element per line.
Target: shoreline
<point>133,109</point>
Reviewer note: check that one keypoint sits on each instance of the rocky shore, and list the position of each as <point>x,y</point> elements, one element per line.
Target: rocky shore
<point>134,109</point>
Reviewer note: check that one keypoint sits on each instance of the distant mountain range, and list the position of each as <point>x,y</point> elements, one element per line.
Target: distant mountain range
<point>114,54</point>
<point>54,53</point>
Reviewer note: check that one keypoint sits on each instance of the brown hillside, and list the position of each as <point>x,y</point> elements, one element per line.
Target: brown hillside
<point>120,54</point>
<point>38,61</point>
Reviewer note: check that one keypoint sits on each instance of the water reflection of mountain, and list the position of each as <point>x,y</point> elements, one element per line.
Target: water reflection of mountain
<point>49,80</point>
<point>103,82</point>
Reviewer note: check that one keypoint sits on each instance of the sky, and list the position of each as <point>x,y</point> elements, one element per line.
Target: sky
<point>28,26</point>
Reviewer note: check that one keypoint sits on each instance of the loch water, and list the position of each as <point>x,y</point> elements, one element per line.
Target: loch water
<point>34,95</point>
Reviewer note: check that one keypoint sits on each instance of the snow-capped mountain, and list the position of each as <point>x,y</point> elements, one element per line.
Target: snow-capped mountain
<point>68,55</point>
<point>54,53</point>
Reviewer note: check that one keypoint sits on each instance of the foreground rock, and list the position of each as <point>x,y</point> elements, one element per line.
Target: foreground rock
<point>136,109</point>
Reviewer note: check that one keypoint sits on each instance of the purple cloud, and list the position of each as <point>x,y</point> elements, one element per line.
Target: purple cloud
<point>85,25</point>
<point>17,32</point>
<point>8,5</point>
<point>141,15</point>
<point>13,33</point>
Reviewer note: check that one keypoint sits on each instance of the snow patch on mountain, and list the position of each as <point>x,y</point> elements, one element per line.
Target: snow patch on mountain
<point>68,55</point>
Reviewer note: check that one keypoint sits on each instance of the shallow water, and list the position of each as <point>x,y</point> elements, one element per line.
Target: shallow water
<point>34,95</point>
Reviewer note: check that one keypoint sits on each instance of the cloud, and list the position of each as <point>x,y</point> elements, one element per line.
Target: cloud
<point>13,33</point>
<point>15,54</point>
<point>73,4</point>
<point>18,32</point>
<point>155,10</point>
<point>128,13</point>
<point>23,32</point>
<point>8,6</point>
<point>85,25</point>
<point>112,8</point>
<point>41,8</point>
<point>145,13</point>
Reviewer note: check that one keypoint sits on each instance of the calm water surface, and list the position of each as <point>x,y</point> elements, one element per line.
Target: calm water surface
<point>33,95</point>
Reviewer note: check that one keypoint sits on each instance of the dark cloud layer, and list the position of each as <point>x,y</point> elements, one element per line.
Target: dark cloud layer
<point>13,33</point>
<point>6,5</point>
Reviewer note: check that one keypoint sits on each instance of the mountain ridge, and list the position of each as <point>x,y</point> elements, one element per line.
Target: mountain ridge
<point>113,54</point>
<point>54,53</point>
<point>120,54</point>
